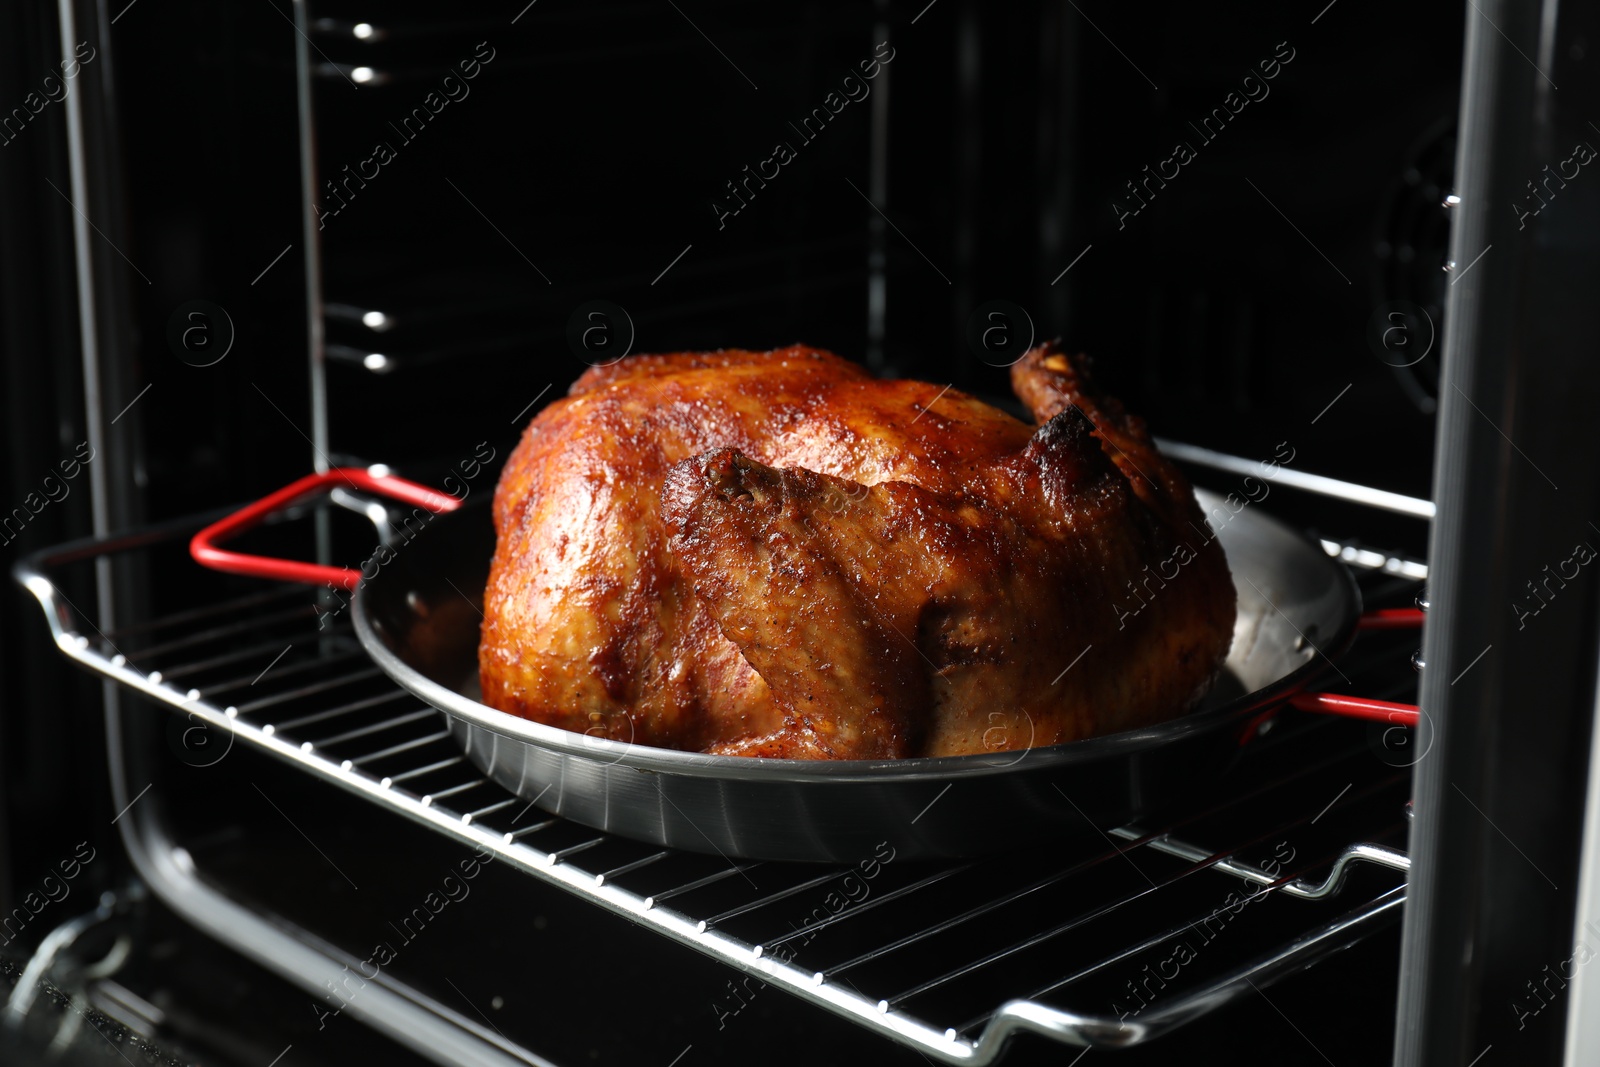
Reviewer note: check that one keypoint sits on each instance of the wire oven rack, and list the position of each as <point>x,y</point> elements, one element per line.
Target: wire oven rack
<point>1035,943</point>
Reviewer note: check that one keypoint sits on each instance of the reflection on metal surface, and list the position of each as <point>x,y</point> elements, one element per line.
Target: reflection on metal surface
<point>1312,483</point>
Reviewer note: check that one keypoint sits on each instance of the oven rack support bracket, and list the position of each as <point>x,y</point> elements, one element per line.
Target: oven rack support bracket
<point>70,632</point>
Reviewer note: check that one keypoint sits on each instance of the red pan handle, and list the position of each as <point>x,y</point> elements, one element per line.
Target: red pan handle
<point>1391,619</point>
<point>1357,707</point>
<point>1364,707</point>
<point>203,547</point>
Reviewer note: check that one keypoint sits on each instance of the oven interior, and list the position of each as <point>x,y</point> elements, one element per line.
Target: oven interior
<point>405,257</point>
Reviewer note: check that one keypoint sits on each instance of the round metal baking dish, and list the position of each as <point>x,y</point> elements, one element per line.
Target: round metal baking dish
<point>418,618</point>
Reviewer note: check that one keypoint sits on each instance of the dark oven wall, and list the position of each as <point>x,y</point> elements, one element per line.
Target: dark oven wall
<point>717,175</point>
<point>853,176</point>
<point>188,128</point>
<point>859,177</point>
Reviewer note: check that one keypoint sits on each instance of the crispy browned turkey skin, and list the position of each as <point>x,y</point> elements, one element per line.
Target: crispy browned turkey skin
<point>776,554</point>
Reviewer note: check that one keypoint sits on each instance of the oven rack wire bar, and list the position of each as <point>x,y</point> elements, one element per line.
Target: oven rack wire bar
<point>292,725</point>
<point>1320,484</point>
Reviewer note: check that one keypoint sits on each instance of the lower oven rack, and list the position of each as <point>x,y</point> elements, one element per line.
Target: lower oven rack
<point>259,670</point>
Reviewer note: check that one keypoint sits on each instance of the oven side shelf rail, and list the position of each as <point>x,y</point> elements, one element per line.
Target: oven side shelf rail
<point>80,639</point>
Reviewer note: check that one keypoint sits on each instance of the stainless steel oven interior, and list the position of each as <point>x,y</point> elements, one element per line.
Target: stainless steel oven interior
<point>266,239</point>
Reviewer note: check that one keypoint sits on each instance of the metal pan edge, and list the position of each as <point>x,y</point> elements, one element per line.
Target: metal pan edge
<point>379,644</point>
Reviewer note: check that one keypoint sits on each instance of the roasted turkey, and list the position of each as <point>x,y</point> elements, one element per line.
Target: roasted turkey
<point>777,554</point>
